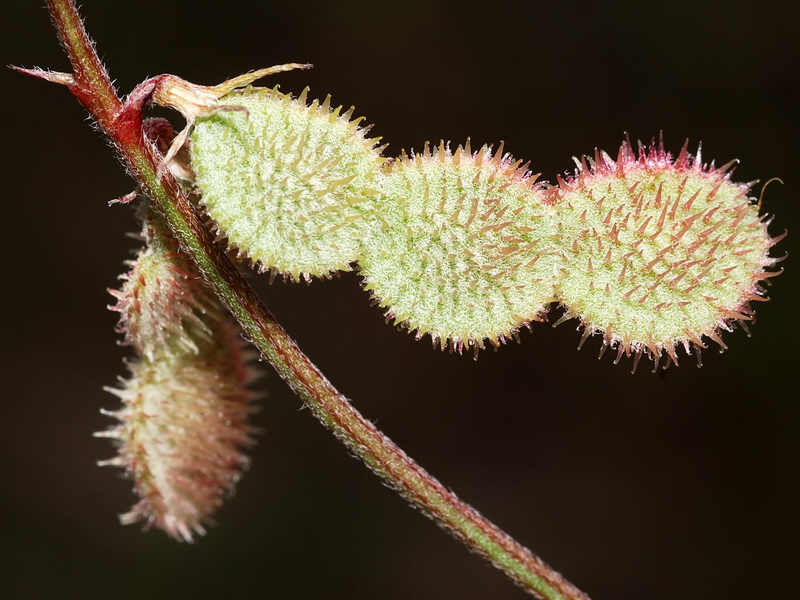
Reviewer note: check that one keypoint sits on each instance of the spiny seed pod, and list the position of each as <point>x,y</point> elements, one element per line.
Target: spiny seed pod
<point>182,432</point>
<point>658,253</point>
<point>183,425</point>
<point>164,306</point>
<point>292,186</point>
<point>462,247</point>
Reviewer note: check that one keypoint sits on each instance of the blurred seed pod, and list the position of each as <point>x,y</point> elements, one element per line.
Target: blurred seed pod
<point>164,306</point>
<point>184,421</point>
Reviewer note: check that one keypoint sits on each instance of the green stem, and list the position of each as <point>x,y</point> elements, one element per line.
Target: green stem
<point>122,124</point>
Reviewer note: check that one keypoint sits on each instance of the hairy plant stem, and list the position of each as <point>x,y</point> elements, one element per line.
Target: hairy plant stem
<point>122,123</point>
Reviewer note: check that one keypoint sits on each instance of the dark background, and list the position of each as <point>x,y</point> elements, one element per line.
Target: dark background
<point>682,484</point>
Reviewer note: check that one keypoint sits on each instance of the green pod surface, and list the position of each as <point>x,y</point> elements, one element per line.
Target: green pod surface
<point>462,249</point>
<point>659,253</point>
<point>292,186</point>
